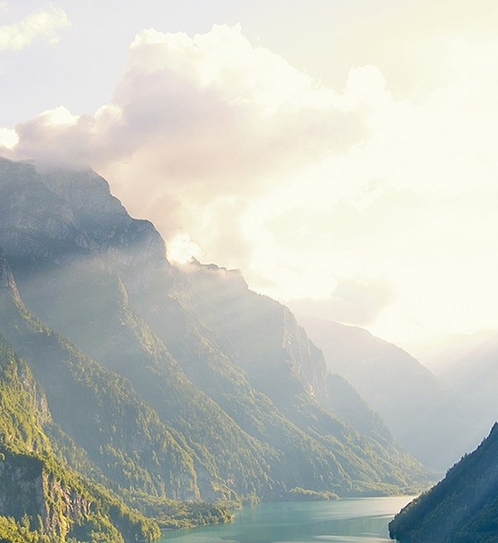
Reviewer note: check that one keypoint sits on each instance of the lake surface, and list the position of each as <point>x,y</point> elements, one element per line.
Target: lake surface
<point>360,520</point>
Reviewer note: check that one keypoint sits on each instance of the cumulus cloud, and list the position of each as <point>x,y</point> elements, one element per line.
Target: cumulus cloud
<point>8,139</point>
<point>41,24</point>
<point>242,160</point>
<point>217,106</point>
<point>196,128</point>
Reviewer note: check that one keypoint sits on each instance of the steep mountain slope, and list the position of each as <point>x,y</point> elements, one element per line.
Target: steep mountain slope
<point>462,508</point>
<point>263,338</point>
<point>424,417</point>
<point>120,433</point>
<point>203,422</point>
<point>282,361</point>
<point>40,496</point>
<point>65,274</point>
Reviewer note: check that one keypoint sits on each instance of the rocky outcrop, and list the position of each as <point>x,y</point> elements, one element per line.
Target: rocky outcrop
<point>29,488</point>
<point>39,495</point>
<point>59,216</point>
<point>283,360</point>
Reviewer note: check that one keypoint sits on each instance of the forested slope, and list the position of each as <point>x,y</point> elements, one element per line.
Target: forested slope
<point>462,508</point>
<point>40,498</point>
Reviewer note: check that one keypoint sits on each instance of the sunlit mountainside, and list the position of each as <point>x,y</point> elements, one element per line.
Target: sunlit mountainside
<point>159,384</point>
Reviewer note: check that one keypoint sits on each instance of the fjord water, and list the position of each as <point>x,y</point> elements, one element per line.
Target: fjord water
<point>360,520</point>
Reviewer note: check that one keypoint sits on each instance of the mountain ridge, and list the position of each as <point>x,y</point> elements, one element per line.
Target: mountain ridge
<point>41,493</point>
<point>426,417</point>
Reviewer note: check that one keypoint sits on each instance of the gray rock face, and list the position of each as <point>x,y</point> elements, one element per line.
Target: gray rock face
<point>283,359</point>
<point>30,489</point>
<point>22,477</point>
<point>57,217</point>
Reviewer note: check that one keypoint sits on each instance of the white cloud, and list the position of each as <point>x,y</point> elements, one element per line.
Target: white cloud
<point>181,249</point>
<point>41,24</point>
<point>380,210</point>
<point>350,302</point>
<point>8,139</point>
<point>205,123</point>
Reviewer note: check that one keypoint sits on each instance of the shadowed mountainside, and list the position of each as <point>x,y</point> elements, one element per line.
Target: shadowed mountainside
<point>462,508</point>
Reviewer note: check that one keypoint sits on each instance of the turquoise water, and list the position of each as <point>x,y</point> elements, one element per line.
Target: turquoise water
<point>360,520</point>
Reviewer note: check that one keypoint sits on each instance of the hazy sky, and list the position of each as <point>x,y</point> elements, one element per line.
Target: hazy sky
<point>341,153</point>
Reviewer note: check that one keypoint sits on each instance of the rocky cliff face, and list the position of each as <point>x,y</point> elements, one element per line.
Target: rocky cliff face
<point>57,218</point>
<point>265,340</point>
<point>22,478</point>
<point>29,488</point>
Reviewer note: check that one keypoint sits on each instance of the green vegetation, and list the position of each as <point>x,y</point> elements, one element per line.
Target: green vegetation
<point>42,500</point>
<point>462,508</point>
<point>12,531</point>
<point>284,374</point>
<point>173,514</point>
<point>303,494</point>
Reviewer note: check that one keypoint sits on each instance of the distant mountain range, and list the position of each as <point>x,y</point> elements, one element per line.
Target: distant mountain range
<point>125,376</point>
<point>437,420</point>
<point>462,508</point>
<point>473,376</point>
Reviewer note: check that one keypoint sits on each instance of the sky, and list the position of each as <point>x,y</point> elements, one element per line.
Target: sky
<point>341,153</point>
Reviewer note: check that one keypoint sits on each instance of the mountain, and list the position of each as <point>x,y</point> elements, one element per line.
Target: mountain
<point>117,430</point>
<point>45,496</point>
<point>462,508</point>
<point>425,417</point>
<point>283,362</point>
<point>167,383</point>
<point>472,376</point>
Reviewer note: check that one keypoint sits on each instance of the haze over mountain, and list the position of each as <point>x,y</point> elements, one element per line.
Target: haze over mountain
<point>438,420</point>
<point>431,421</point>
<point>339,154</point>
<point>473,375</point>
<point>171,383</point>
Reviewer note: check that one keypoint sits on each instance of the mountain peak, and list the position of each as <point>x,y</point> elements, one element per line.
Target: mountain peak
<point>59,216</point>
